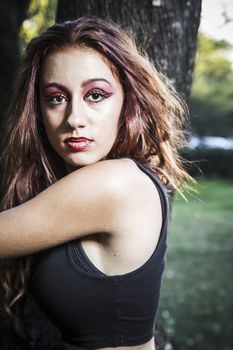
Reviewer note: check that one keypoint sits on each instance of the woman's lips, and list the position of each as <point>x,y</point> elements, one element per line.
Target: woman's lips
<point>78,144</point>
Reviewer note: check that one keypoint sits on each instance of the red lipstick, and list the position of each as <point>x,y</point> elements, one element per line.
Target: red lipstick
<point>78,144</point>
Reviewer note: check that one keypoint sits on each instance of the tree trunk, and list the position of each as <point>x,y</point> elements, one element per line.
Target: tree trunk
<point>12,14</point>
<point>175,27</point>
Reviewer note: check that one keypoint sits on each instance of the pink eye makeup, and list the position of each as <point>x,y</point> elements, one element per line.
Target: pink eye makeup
<point>93,91</point>
<point>55,96</point>
<point>103,85</point>
<point>97,91</point>
<point>96,95</point>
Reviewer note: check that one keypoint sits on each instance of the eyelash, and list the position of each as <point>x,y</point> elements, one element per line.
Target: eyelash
<point>98,92</point>
<point>51,98</point>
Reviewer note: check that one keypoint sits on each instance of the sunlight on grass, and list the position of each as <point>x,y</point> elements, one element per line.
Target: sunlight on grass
<point>196,306</point>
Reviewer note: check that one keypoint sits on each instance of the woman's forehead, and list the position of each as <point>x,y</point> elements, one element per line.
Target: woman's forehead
<point>77,63</point>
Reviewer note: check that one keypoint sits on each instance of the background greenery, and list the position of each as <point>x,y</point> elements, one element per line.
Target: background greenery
<point>41,14</point>
<point>211,104</point>
<point>196,306</point>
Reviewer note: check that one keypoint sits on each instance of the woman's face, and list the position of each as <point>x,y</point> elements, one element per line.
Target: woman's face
<point>81,101</point>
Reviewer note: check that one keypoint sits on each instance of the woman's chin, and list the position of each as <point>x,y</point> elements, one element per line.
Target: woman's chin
<point>71,166</point>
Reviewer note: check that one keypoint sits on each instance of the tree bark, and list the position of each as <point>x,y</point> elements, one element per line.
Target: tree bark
<point>12,14</point>
<point>175,27</point>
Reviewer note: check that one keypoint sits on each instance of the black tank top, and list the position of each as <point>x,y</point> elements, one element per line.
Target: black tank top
<point>94,310</point>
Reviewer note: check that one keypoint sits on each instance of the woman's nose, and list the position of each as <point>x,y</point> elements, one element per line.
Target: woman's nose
<point>76,116</point>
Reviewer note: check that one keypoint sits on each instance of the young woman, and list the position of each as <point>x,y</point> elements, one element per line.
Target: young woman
<point>91,151</point>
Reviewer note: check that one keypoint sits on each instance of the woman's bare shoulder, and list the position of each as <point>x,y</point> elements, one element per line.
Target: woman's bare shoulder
<point>112,172</point>
<point>109,168</point>
<point>118,177</point>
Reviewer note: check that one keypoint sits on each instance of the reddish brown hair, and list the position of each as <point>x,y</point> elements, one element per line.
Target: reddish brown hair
<point>150,127</point>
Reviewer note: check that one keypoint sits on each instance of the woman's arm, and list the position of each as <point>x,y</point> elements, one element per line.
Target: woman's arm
<point>86,201</point>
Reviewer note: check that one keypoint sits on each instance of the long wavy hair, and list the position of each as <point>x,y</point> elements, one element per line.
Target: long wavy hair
<point>150,129</point>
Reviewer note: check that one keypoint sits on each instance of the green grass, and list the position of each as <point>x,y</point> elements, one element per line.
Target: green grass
<point>196,307</point>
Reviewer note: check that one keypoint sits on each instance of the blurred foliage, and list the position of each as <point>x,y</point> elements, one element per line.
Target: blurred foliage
<point>209,162</point>
<point>211,62</point>
<point>41,14</point>
<point>196,307</point>
<point>211,103</point>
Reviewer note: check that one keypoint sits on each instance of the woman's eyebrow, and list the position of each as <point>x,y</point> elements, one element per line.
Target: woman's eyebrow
<point>89,81</point>
<point>84,83</point>
<point>53,84</point>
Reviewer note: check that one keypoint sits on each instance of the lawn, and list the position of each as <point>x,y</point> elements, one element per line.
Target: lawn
<point>196,307</point>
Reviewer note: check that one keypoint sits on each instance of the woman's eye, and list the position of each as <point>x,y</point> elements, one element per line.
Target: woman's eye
<point>95,96</point>
<point>56,99</point>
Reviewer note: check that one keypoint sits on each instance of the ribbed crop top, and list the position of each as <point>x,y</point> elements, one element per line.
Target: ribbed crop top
<point>94,310</point>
